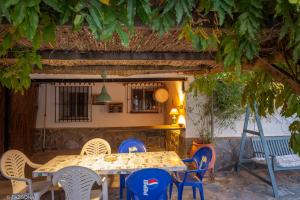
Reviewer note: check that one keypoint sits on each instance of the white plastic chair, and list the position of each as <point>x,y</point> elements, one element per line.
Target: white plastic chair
<point>77,183</point>
<point>96,146</point>
<point>13,168</point>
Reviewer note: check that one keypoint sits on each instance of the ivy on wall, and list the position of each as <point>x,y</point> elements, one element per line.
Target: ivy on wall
<point>237,31</point>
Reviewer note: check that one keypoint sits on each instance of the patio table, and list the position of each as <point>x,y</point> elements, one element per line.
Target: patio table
<point>122,163</point>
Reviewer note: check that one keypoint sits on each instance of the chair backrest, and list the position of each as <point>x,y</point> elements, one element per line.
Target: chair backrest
<point>13,165</point>
<point>96,146</point>
<point>76,181</point>
<point>131,146</point>
<point>277,145</point>
<point>202,157</point>
<point>149,183</point>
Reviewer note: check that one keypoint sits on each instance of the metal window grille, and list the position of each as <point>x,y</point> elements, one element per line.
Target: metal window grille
<point>73,103</point>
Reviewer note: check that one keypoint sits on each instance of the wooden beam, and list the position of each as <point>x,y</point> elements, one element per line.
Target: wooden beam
<point>125,55</point>
<point>115,80</point>
<point>114,69</point>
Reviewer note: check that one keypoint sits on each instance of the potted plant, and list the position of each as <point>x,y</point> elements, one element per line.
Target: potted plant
<point>223,106</point>
<point>205,140</point>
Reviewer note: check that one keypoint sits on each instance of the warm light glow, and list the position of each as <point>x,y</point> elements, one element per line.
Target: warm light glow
<point>174,111</point>
<point>181,120</point>
<point>181,94</point>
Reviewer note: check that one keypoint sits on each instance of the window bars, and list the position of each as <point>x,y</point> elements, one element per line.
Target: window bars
<point>73,103</point>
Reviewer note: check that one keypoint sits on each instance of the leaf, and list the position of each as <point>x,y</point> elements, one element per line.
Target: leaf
<point>31,3</point>
<point>8,3</point>
<point>145,4</point>
<point>33,21</point>
<point>95,15</point>
<point>186,7</point>
<point>143,15</point>
<point>37,62</point>
<point>18,14</point>
<point>296,53</point>
<point>169,6</point>
<point>179,12</point>
<point>131,11</point>
<point>92,26</point>
<point>7,41</point>
<point>77,23</point>
<point>79,6</point>
<point>49,32</point>
<point>64,17</point>
<point>55,4</point>
<point>36,42</point>
<point>123,36</point>
<point>223,7</point>
<point>108,31</point>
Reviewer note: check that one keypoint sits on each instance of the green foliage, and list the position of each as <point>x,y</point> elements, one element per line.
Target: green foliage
<point>271,96</point>
<point>295,139</point>
<point>16,77</point>
<point>235,33</point>
<point>223,8</point>
<point>227,103</point>
<point>226,91</point>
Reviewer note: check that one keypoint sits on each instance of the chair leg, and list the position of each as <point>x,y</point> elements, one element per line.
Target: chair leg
<point>52,193</point>
<point>180,191</point>
<point>194,192</point>
<point>170,190</point>
<point>36,196</point>
<point>201,192</point>
<point>122,184</point>
<point>105,189</point>
<point>128,195</point>
<point>121,190</point>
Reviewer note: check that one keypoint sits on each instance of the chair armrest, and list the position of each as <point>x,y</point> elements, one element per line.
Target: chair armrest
<point>27,180</point>
<point>19,179</point>
<point>195,171</point>
<point>262,153</point>
<point>33,165</point>
<point>192,171</point>
<point>188,160</point>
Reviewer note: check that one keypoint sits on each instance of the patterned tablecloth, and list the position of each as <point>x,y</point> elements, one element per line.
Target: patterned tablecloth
<point>114,163</point>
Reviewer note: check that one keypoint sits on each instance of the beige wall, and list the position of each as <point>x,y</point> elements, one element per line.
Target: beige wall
<point>100,116</point>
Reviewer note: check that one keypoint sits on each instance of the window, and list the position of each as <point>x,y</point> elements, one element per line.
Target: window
<point>73,103</point>
<point>142,100</point>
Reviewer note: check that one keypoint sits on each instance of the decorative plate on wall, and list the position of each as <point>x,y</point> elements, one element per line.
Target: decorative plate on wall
<point>161,95</point>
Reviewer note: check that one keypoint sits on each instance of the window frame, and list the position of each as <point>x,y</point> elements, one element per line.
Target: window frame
<point>144,87</point>
<point>67,115</point>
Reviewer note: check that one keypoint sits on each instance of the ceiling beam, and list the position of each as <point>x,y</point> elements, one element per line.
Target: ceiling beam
<point>115,80</point>
<point>125,55</point>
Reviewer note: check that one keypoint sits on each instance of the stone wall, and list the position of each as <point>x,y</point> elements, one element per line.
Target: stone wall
<point>75,138</point>
<point>227,149</point>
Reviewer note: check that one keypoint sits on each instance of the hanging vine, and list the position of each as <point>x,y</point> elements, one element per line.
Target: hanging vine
<point>240,32</point>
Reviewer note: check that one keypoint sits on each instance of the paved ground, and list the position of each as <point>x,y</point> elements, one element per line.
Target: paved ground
<point>227,185</point>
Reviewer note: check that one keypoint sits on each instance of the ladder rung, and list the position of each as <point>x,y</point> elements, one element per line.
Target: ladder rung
<point>252,132</point>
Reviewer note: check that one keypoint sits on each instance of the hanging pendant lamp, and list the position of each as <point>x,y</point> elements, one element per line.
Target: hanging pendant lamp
<point>103,97</point>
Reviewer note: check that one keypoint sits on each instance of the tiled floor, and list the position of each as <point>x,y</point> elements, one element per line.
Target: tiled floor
<point>227,185</point>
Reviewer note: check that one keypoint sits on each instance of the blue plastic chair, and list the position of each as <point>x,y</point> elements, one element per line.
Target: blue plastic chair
<point>193,178</point>
<point>148,184</point>
<point>129,146</point>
